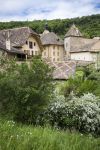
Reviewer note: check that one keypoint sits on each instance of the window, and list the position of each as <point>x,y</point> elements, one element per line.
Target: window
<point>53,53</point>
<point>58,53</point>
<point>54,47</point>
<point>57,59</point>
<point>30,45</point>
<point>36,52</point>
<point>32,53</point>
<point>34,44</point>
<point>44,53</point>
<point>53,59</point>
<point>26,42</point>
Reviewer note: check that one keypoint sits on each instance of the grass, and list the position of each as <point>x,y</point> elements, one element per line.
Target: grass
<point>22,137</point>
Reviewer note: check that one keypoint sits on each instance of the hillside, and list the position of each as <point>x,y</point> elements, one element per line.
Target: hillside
<point>88,25</point>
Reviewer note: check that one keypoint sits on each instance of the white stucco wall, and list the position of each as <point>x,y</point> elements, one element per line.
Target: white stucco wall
<point>85,56</point>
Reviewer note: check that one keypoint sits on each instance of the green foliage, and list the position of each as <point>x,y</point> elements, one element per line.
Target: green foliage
<point>82,114</point>
<point>25,89</point>
<point>79,86</point>
<point>89,25</point>
<point>18,137</point>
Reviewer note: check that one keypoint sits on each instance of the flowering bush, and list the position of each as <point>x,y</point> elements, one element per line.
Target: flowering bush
<point>82,114</point>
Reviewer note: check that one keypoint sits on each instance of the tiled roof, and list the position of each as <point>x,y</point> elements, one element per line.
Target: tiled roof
<point>18,36</point>
<point>73,31</point>
<point>13,50</point>
<point>62,70</point>
<point>82,44</point>
<point>51,39</point>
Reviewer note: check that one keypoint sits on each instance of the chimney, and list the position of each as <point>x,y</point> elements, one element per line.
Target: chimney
<point>8,43</point>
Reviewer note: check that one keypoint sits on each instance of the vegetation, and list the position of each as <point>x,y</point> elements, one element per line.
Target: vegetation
<point>21,137</point>
<point>25,89</point>
<point>89,25</point>
<point>86,80</point>
<point>81,114</point>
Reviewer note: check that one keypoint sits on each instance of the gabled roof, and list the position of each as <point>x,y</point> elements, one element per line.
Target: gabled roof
<point>73,31</point>
<point>50,38</point>
<point>18,36</point>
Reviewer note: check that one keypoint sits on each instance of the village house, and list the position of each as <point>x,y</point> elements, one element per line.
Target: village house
<point>79,48</point>
<point>21,41</point>
<point>24,43</point>
<point>53,46</point>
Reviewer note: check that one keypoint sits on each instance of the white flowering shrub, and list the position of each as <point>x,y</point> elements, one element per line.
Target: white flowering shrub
<point>82,114</point>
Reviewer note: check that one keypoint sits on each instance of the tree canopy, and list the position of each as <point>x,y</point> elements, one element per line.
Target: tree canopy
<point>88,25</point>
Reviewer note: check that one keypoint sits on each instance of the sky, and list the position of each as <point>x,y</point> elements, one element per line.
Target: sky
<point>19,10</point>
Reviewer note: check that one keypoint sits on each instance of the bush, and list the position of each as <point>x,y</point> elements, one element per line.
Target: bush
<point>82,114</point>
<point>25,89</point>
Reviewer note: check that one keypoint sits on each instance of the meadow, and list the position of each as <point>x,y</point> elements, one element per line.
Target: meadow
<point>27,137</point>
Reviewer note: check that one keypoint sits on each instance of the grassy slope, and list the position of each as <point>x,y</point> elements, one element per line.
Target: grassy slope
<point>17,137</point>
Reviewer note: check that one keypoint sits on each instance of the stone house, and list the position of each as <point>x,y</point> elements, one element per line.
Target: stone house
<point>79,48</point>
<point>53,46</point>
<point>23,40</point>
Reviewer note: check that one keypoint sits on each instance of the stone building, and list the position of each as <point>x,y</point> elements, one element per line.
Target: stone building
<point>80,48</point>
<point>23,40</point>
<point>53,46</point>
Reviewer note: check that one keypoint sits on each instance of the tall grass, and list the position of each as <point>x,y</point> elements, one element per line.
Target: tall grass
<point>21,137</point>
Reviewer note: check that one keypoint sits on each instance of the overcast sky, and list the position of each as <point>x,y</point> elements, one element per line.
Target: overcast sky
<point>11,10</point>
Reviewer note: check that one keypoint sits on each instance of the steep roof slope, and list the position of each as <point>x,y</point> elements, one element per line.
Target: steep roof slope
<point>18,36</point>
<point>51,39</point>
<point>73,31</point>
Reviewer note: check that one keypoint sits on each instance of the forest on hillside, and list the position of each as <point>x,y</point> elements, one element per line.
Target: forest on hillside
<point>88,25</point>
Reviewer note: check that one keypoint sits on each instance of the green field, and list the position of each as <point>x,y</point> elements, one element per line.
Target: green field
<point>23,137</point>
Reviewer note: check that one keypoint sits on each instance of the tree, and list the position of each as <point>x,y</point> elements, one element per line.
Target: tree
<point>25,89</point>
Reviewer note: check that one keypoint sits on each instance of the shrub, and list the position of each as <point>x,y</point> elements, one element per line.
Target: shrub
<point>25,89</point>
<point>82,114</point>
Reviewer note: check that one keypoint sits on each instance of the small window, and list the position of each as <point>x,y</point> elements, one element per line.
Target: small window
<point>58,53</point>
<point>54,47</point>
<point>53,53</point>
<point>36,52</point>
<point>32,53</point>
<point>44,53</point>
<point>34,43</point>
<point>57,59</point>
<point>26,42</point>
<point>53,59</point>
<point>30,45</point>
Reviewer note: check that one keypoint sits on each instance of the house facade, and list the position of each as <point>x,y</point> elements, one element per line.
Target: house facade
<point>53,47</point>
<point>21,40</point>
<point>79,48</point>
